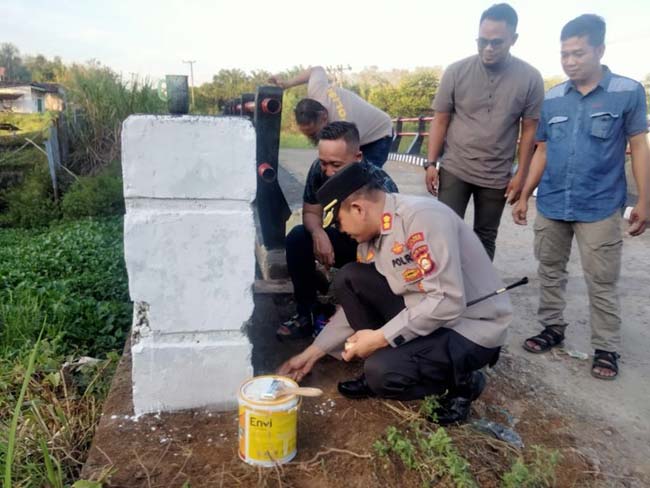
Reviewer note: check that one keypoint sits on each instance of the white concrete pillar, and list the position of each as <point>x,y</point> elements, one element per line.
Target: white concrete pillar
<point>189,238</point>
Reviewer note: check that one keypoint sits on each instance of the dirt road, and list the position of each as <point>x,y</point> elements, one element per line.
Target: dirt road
<point>612,418</point>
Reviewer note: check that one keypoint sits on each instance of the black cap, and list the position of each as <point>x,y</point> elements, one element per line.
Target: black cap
<point>340,186</point>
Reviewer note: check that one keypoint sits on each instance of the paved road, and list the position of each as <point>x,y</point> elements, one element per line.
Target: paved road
<point>622,407</point>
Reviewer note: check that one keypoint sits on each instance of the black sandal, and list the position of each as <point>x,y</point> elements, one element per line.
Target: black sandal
<point>605,360</point>
<point>298,326</point>
<point>546,340</point>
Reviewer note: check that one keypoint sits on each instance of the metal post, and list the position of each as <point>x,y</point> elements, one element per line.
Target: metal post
<point>191,63</point>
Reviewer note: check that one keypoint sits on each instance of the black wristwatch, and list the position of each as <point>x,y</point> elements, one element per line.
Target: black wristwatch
<point>429,163</point>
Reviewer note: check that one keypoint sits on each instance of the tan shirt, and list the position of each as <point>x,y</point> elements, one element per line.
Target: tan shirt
<point>486,107</point>
<point>435,261</point>
<point>342,104</point>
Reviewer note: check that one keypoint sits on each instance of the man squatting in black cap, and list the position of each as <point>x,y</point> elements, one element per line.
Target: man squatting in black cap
<point>403,303</point>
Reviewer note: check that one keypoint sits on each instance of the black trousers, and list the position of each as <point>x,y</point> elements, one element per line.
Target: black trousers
<point>301,262</point>
<point>488,206</point>
<point>428,365</point>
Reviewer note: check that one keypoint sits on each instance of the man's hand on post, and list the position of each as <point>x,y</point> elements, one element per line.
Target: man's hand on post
<point>638,220</point>
<point>431,180</point>
<point>363,343</point>
<point>323,249</point>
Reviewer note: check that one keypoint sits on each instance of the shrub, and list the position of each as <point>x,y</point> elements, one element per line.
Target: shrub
<point>95,196</point>
<point>32,203</point>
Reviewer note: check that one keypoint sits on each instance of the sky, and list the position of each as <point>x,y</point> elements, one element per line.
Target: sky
<point>153,38</point>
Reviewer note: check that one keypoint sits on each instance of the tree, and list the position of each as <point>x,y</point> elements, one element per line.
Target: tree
<point>411,97</point>
<point>10,59</point>
<point>43,70</point>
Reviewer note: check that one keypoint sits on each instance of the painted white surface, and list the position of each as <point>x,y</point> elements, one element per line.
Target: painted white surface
<point>194,268</point>
<point>189,239</point>
<point>196,373</point>
<point>189,157</point>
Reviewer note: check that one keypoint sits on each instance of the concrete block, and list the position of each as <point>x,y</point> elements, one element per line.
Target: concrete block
<point>188,157</point>
<point>176,375</point>
<point>194,268</point>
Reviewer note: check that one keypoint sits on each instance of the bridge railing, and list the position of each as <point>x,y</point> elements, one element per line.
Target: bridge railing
<point>413,130</point>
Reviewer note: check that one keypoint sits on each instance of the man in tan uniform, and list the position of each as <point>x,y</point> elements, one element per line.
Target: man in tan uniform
<point>328,103</point>
<point>403,304</point>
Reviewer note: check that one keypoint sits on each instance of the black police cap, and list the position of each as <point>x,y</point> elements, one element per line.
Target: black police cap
<point>340,186</point>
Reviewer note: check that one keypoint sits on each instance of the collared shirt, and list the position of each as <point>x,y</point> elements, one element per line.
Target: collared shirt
<point>486,106</point>
<point>586,136</point>
<point>316,178</point>
<point>436,262</point>
<point>342,104</point>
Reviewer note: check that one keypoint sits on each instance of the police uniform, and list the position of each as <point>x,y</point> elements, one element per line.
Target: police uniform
<point>413,281</point>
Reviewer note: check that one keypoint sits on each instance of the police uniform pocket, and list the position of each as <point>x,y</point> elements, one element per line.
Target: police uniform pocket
<point>557,127</point>
<point>602,123</point>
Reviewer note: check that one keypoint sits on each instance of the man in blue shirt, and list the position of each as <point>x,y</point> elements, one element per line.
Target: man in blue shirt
<point>585,125</point>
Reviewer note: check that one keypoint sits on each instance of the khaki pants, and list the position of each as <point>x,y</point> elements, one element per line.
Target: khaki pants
<point>600,244</point>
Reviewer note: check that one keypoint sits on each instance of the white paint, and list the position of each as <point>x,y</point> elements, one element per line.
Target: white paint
<point>194,269</point>
<point>189,157</point>
<point>189,239</point>
<point>171,376</point>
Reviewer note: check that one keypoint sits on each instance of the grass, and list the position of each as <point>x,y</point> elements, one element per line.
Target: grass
<point>435,454</point>
<point>30,125</point>
<point>294,140</point>
<point>68,284</point>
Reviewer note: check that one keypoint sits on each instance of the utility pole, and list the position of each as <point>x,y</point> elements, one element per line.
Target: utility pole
<point>191,63</point>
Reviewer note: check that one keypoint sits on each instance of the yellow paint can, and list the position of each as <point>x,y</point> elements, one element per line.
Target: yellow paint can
<point>267,426</point>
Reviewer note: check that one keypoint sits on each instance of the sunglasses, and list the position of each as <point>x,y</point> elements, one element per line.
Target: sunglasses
<point>495,43</point>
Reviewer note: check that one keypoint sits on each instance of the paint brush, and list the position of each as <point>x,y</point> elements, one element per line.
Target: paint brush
<point>279,388</point>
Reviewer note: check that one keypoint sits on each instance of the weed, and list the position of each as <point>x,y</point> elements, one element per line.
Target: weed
<point>539,473</point>
<point>427,449</point>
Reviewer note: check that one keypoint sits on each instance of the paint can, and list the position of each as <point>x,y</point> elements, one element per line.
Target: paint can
<point>267,427</point>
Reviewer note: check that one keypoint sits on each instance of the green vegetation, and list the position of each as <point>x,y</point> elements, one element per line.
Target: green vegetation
<point>68,281</point>
<point>32,126</point>
<point>293,140</point>
<point>427,449</point>
<point>421,446</point>
<point>538,473</point>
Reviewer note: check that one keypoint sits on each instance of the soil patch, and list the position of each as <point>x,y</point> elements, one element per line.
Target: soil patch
<point>336,435</point>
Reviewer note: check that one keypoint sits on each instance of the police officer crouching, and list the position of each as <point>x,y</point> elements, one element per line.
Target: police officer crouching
<point>403,303</point>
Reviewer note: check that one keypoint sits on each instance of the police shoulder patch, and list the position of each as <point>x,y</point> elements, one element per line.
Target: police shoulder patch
<point>387,221</point>
<point>425,263</point>
<point>419,251</point>
<point>412,274</point>
<point>414,239</point>
<point>398,248</point>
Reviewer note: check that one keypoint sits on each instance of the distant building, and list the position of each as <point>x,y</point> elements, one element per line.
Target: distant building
<point>29,98</point>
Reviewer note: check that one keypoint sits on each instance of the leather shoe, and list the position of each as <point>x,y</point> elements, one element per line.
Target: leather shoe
<point>356,389</point>
<point>455,410</point>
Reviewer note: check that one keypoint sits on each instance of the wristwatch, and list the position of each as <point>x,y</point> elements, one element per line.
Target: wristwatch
<point>429,163</point>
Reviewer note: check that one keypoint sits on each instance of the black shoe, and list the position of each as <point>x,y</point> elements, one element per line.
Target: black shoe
<point>356,389</point>
<point>455,410</point>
